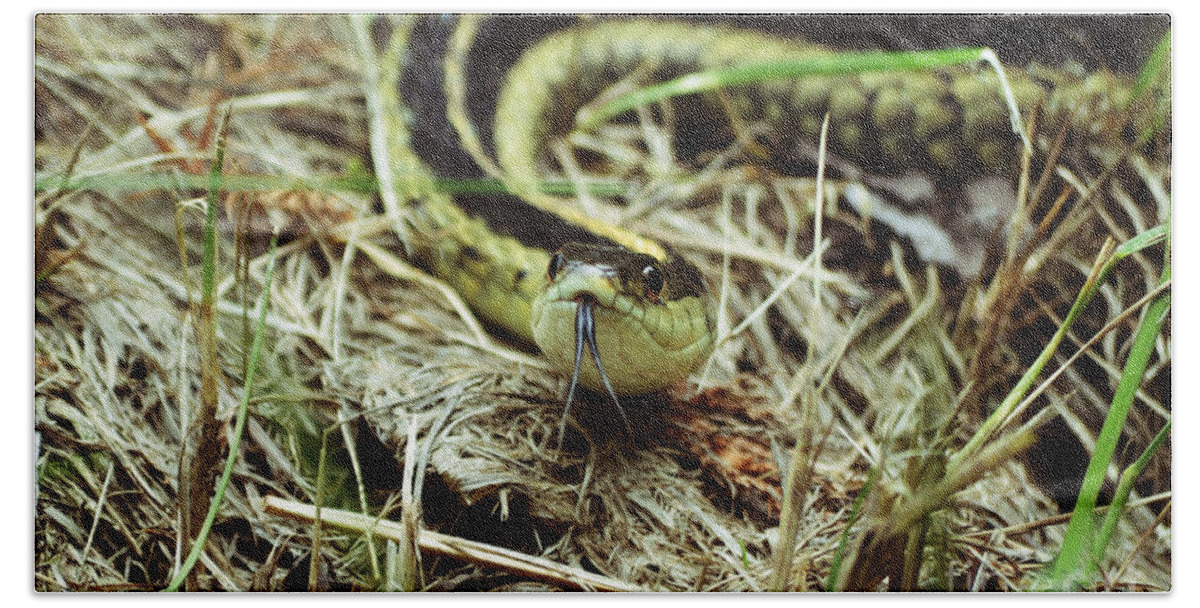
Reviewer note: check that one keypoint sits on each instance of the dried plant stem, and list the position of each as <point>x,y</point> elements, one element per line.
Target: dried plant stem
<point>458,548</point>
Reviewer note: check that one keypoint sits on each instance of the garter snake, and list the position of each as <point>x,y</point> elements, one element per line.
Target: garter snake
<point>626,315</point>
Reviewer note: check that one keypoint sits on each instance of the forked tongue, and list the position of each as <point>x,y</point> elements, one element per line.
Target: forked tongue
<point>585,333</point>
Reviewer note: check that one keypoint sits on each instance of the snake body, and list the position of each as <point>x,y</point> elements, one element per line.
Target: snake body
<point>952,122</point>
<point>501,257</point>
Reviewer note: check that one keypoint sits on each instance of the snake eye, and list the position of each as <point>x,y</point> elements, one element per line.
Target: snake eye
<point>556,264</point>
<point>652,280</point>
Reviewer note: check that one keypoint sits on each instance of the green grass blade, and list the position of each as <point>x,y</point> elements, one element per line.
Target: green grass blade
<point>844,542</point>
<point>201,448</point>
<point>1124,488</point>
<point>1075,565</point>
<point>1156,66</point>
<point>239,426</point>
<point>1140,241</point>
<point>1106,263</point>
<point>124,183</point>
<point>841,63</point>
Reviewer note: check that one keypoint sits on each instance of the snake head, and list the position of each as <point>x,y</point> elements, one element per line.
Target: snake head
<point>647,319</point>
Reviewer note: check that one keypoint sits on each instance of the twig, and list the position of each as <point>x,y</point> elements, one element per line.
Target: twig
<point>450,546</point>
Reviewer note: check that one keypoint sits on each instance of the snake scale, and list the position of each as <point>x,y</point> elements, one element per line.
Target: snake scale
<point>505,253</point>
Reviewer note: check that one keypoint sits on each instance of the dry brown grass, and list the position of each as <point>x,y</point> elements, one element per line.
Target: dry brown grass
<point>868,365</point>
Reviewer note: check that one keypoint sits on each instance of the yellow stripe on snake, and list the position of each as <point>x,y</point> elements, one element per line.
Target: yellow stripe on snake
<point>623,314</point>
